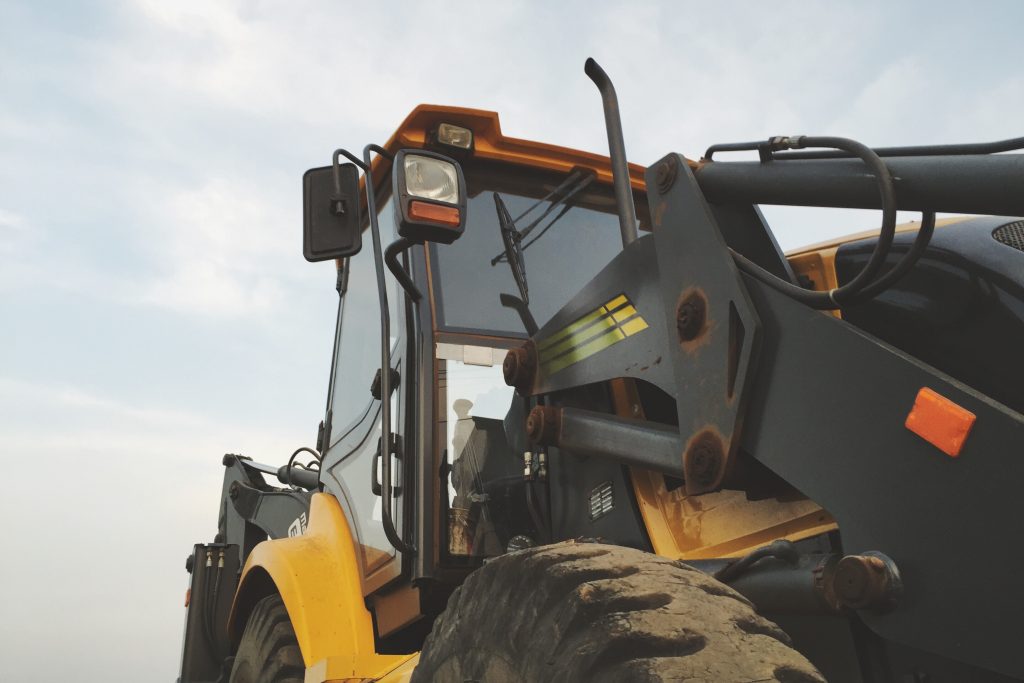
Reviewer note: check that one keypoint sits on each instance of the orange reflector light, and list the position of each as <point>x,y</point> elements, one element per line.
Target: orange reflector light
<point>940,422</point>
<point>188,596</point>
<point>435,213</point>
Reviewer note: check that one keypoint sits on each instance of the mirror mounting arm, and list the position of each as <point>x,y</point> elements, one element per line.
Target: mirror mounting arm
<point>338,203</point>
<point>396,268</point>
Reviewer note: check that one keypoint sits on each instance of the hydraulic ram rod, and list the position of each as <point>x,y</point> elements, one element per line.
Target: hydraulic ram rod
<point>632,442</point>
<point>977,183</point>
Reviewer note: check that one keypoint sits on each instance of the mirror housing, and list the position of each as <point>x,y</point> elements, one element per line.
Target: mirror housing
<point>331,226</point>
<point>430,196</point>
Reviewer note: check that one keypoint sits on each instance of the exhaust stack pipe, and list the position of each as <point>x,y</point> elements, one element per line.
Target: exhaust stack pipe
<point>616,150</point>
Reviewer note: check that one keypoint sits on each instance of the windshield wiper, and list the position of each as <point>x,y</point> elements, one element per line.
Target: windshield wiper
<point>513,240</point>
<point>576,182</point>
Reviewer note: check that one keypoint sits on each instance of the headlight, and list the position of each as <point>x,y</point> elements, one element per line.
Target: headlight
<point>429,193</point>
<point>431,179</point>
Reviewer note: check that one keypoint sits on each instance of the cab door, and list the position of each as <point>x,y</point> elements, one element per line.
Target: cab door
<point>352,437</point>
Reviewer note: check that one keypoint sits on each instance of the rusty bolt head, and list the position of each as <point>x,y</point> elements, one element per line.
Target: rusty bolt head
<point>665,173</point>
<point>703,460</point>
<point>543,425</point>
<point>691,316</point>
<point>233,490</point>
<point>518,368</point>
<point>862,581</point>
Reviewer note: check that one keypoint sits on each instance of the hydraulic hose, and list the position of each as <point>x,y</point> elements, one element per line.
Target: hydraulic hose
<point>840,296</point>
<point>924,236</point>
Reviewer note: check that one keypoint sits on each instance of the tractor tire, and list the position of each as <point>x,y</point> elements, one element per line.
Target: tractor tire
<point>592,612</point>
<point>268,651</point>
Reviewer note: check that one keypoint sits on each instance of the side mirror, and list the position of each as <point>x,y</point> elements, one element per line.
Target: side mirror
<point>330,213</point>
<point>430,197</point>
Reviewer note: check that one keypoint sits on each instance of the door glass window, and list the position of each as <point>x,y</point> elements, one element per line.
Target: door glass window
<point>358,349</point>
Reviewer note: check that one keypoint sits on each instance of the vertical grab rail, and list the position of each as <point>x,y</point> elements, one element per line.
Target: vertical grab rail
<point>385,360</point>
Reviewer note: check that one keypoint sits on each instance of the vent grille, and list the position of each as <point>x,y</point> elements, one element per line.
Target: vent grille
<point>1011,234</point>
<point>602,501</point>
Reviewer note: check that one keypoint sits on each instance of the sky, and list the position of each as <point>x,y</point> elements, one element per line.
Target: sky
<point>155,309</point>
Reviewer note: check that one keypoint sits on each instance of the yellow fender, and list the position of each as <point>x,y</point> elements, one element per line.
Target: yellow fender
<point>317,576</point>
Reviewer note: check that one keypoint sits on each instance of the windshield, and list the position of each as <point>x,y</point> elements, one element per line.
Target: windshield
<point>559,260</point>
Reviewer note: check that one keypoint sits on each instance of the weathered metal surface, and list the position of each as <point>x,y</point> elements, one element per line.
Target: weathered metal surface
<point>717,328</point>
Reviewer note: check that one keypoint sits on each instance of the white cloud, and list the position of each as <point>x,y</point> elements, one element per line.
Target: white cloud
<point>218,247</point>
<point>13,230</point>
<point>106,500</point>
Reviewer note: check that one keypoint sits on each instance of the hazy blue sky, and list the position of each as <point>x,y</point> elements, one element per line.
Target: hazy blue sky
<point>156,311</point>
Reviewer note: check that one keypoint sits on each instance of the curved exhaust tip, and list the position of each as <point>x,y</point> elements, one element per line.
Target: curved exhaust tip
<point>595,72</point>
<point>616,151</point>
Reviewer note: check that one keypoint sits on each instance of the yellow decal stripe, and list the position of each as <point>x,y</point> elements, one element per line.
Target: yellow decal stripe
<point>613,336</point>
<point>600,326</point>
<point>579,325</point>
<point>607,325</point>
<point>567,331</point>
<point>624,314</point>
<point>634,326</point>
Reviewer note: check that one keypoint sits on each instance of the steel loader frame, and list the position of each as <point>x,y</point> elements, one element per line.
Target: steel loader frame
<point>819,402</point>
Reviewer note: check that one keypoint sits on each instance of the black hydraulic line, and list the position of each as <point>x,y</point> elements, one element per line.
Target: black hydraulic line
<point>207,618</point>
<point>1009,145</point>
<point>538,521</point>
<point>385,358</point>
<point>302,449</point>
<point>837,297</point>
<point>924,236</point>
<point>781,586</point>
<point>216,593</point>
<point>782,549</point>
<point>616,151</point>
<point>391,259</point>
<point>763,148</point>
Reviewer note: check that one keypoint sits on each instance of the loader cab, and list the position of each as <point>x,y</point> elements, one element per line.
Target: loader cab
<point>458,490</point>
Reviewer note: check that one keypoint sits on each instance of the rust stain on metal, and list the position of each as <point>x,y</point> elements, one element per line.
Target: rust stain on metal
<point>704,460</point>
<point>544,425</point>
<point>520,366</point>
<point>693,320</point>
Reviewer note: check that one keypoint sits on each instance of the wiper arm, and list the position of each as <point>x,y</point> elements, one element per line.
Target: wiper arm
<point>577,181</point>
<point>513,240</point>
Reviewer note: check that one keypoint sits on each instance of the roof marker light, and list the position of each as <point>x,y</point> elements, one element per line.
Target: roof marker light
<point>454,136</point>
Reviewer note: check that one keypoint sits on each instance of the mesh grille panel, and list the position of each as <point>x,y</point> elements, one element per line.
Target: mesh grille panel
<point>1011,234</point>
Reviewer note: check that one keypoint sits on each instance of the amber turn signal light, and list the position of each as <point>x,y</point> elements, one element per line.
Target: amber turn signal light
<point>435,213</point>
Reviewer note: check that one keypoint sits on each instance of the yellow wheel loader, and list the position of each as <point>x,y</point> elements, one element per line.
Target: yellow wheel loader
<point>587,422</point>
